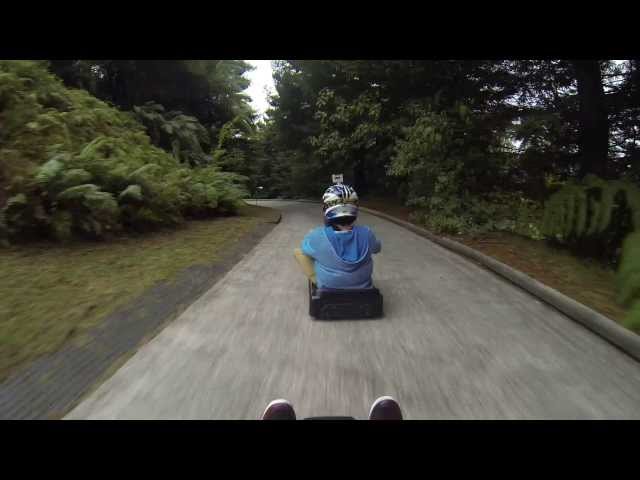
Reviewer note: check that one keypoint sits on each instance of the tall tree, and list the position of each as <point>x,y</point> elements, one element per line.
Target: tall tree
<point>210,90</point>
<point>593,118</point>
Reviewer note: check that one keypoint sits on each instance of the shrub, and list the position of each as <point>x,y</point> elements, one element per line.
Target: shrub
<point>496,212</point>
<point>72,165</point>
<point>593,216</point>
<point>181,134</point>
<point>628,280</point>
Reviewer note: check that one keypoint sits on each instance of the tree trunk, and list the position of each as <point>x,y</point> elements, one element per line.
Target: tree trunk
<point>593,119</point>
<point>359,176</point>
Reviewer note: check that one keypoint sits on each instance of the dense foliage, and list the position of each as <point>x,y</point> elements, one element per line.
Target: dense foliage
<point>629,280</point>
<point>473,145</point>
<point>593,216</point>
<point>210,90</point>
<point>180,134</point>
<point>350,114</point>
<point>72,164</point>
<point>540,148</point>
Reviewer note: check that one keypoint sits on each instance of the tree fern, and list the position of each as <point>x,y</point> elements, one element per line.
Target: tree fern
<point>628,277</point>
<point>77,192</point>
<point>595,213</point>
<point>47,172</point>
<point>583,208</point>
<point>79,165</point>
<point>102,205</point>
<point>92,148</point>
<point>133,193</point>
<point>18,200</point>
<point>632,319</point>
<point>73,177</point>
<point>569,209</point>
<point>609,193</point>
<point>4,231</point>
<point>633,201</point>
<point>181,134</point>
<point>628,280</point>
<point>142,171</point>
<point>586,210</point>
<point>62,225</point>
<point>594,181</point>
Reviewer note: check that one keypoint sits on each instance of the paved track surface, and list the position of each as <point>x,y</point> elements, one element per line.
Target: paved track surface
<point>456,342</point>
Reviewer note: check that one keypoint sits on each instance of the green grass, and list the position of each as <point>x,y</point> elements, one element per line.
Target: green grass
<point>52,293</point>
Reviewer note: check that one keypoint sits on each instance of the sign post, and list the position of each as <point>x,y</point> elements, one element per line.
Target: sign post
<point>336,178</point>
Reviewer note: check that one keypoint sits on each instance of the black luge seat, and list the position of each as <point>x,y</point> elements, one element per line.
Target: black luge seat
<point>343,304</point>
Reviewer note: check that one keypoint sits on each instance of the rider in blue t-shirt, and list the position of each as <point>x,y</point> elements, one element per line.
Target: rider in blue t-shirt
<point>338,255</point>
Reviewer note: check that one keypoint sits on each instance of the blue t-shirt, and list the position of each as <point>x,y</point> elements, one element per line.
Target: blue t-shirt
<point>348,244</point>
<point>342,259</point>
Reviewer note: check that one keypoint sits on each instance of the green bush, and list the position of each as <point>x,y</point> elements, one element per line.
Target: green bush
<point>72,165</point>
<point>233,152</point>
<point>441,162</point>
<point>136,186</point>
<point>509,212</point>
<point>496,212</point>
<point>629,272</point>
<point>602,218</point>
<point>442,223</point>
<point>41,117</point>
<point>593,217</point>
<point>632,320</point>
<point>628,280</point>
<point>183,135</point>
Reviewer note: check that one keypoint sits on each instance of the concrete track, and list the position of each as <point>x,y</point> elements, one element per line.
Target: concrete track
<point>456,342</point>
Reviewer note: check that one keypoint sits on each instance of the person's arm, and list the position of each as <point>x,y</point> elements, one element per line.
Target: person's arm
<point>307,247</point>
<point>374,243</point>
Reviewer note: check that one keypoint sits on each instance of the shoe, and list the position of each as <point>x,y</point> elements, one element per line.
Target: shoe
<point>385,408</point>
<point>279,409</point>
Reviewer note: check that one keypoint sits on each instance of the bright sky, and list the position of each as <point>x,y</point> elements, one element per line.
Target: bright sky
<point>261,82</point>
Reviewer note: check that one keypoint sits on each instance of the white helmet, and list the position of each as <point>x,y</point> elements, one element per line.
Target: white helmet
<point>339,201</point>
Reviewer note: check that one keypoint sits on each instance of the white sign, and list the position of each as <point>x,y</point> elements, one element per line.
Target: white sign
<point>336,177</point>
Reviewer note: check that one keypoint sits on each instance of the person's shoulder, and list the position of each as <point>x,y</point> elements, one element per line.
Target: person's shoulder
<point>364,228</point>
<point>314,232</point>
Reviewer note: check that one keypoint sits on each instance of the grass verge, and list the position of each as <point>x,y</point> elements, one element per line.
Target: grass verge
<point>51,293</point>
